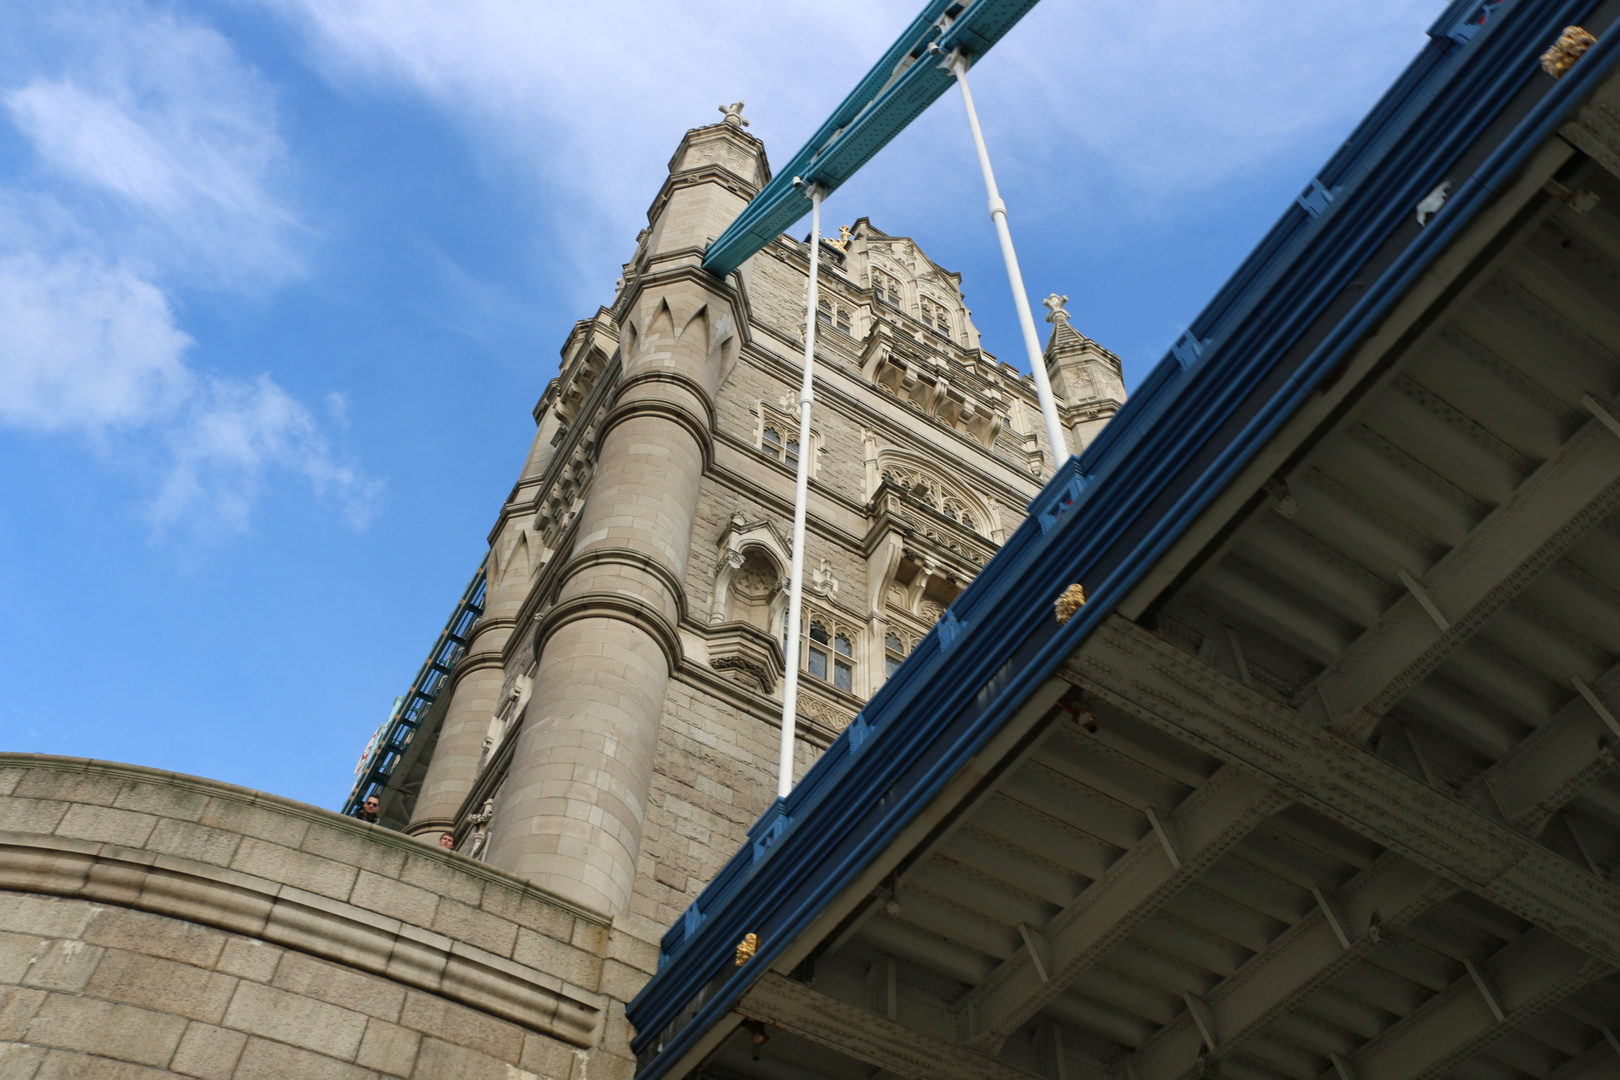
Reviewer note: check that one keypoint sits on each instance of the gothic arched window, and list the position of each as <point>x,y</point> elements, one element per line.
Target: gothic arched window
<point>894,653</point>
<point>824,313</point>
<point>771,443</point>
<point>829,656</point>
<point>956,512</point>
<point>816,662</point>
<point>885,288</point>
<point>842,320</point>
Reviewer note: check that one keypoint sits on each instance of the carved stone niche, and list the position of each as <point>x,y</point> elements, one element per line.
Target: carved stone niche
<point>750,597</point>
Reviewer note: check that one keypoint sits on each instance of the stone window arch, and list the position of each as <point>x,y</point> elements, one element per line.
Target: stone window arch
<point>783,448</point>
<point>841,319</point>
<point>755,588</point>
<point>824,313</point>
<point>827,651</point>
<point>778,435</point>
<point>886,288</point>
<point>895,650</point>
<point>950,497</point>
<point>953,509</point>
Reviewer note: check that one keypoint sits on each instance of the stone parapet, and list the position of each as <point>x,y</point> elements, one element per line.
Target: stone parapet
<point>161,925</point>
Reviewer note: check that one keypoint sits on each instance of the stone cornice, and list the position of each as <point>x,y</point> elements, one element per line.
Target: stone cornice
<point>292,809</point>
<point>482,660</point>
<point>307,922</point>
<point>674,378</point>
<point>684,418</point>
<point>602,605</point>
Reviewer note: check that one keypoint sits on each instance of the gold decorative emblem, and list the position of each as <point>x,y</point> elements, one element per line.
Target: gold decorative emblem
<point>1570,47</point>
<point>844,237</point>
<point>1072,600</point>
<point>746,949</point>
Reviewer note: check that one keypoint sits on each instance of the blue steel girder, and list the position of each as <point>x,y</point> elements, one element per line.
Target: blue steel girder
<point>894,93</point>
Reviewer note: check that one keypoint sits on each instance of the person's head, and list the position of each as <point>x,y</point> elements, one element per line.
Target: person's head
<point>447,841</point>
<point>371,806</point>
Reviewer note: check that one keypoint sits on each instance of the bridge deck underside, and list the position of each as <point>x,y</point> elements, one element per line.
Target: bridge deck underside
<point>1344,802</point>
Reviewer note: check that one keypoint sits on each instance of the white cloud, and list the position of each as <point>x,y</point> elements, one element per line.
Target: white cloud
<point>155,158</point>
<point>1102,108</point>
<point>87,346</point>
<point>1162,100</point>
<point>161,139</point>
<point>232,437</point>
<point>589,100</point>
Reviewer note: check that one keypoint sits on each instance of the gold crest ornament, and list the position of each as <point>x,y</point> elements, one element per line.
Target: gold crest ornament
<point>1072,600</point>
<point>1570,47</point>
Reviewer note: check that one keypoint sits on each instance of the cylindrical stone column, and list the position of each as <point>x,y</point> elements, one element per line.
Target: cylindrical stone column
<point>476,689</point>
<point>476,683</point>
<point>570,815</point>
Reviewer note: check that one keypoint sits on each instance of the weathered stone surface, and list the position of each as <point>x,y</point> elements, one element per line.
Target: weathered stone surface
<point>389,1048</point>
<point>152,963</point>
<point>208,1052</point>
<point>266,1060</point>
<point>120,1032</point>
<point>184,990</point>
<point>64,965</point>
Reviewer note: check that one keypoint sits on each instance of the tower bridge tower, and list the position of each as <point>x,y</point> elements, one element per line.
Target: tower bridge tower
<point>611,730</point>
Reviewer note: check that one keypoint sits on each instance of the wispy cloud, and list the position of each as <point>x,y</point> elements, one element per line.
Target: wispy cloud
<point>155,168</point>
<point>87,346</point>
<point>235,435</point>
<point>158,137</point>
<point>1102,107</point>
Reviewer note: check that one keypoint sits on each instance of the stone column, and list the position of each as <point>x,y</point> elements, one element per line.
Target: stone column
<point>476,683</point>
<point>570,815</point>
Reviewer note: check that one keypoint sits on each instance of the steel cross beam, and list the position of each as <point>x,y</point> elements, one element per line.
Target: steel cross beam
<point>867,1036</point>
<point>1388,895</point>
<point>1526,978</point>
<point>1142,674</point>
<point>903,83</point>
<point>1560,503</point>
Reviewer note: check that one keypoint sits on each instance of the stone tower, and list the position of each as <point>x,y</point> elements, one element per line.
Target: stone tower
<point>612,728</point>
<point>609,731</point>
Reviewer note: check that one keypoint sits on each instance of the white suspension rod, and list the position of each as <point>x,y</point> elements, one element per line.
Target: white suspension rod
<point>801,491</point>
<point>958,66</point>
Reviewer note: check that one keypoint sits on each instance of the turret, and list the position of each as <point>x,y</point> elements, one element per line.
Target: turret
<point>1086,378</point>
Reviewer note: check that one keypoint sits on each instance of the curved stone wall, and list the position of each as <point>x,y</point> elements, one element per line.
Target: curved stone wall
<point>156,925</point>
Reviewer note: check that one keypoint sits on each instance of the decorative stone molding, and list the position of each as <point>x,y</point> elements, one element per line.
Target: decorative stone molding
<point>740,536</point>
<point>630,609</point>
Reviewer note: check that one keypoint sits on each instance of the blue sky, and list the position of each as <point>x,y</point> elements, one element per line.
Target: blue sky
<point>280,282</point>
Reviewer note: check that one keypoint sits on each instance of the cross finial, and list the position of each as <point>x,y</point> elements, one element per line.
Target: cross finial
<point>1054,307</point>
<point>733,115</point>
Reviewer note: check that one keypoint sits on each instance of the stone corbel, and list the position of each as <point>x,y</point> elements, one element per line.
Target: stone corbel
<point>927,568</point>
<point>881,567</point>
<point>876,353</point>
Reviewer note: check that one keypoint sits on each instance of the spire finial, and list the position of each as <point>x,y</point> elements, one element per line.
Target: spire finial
<point>733,115</point>
<point>1054,308</point>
